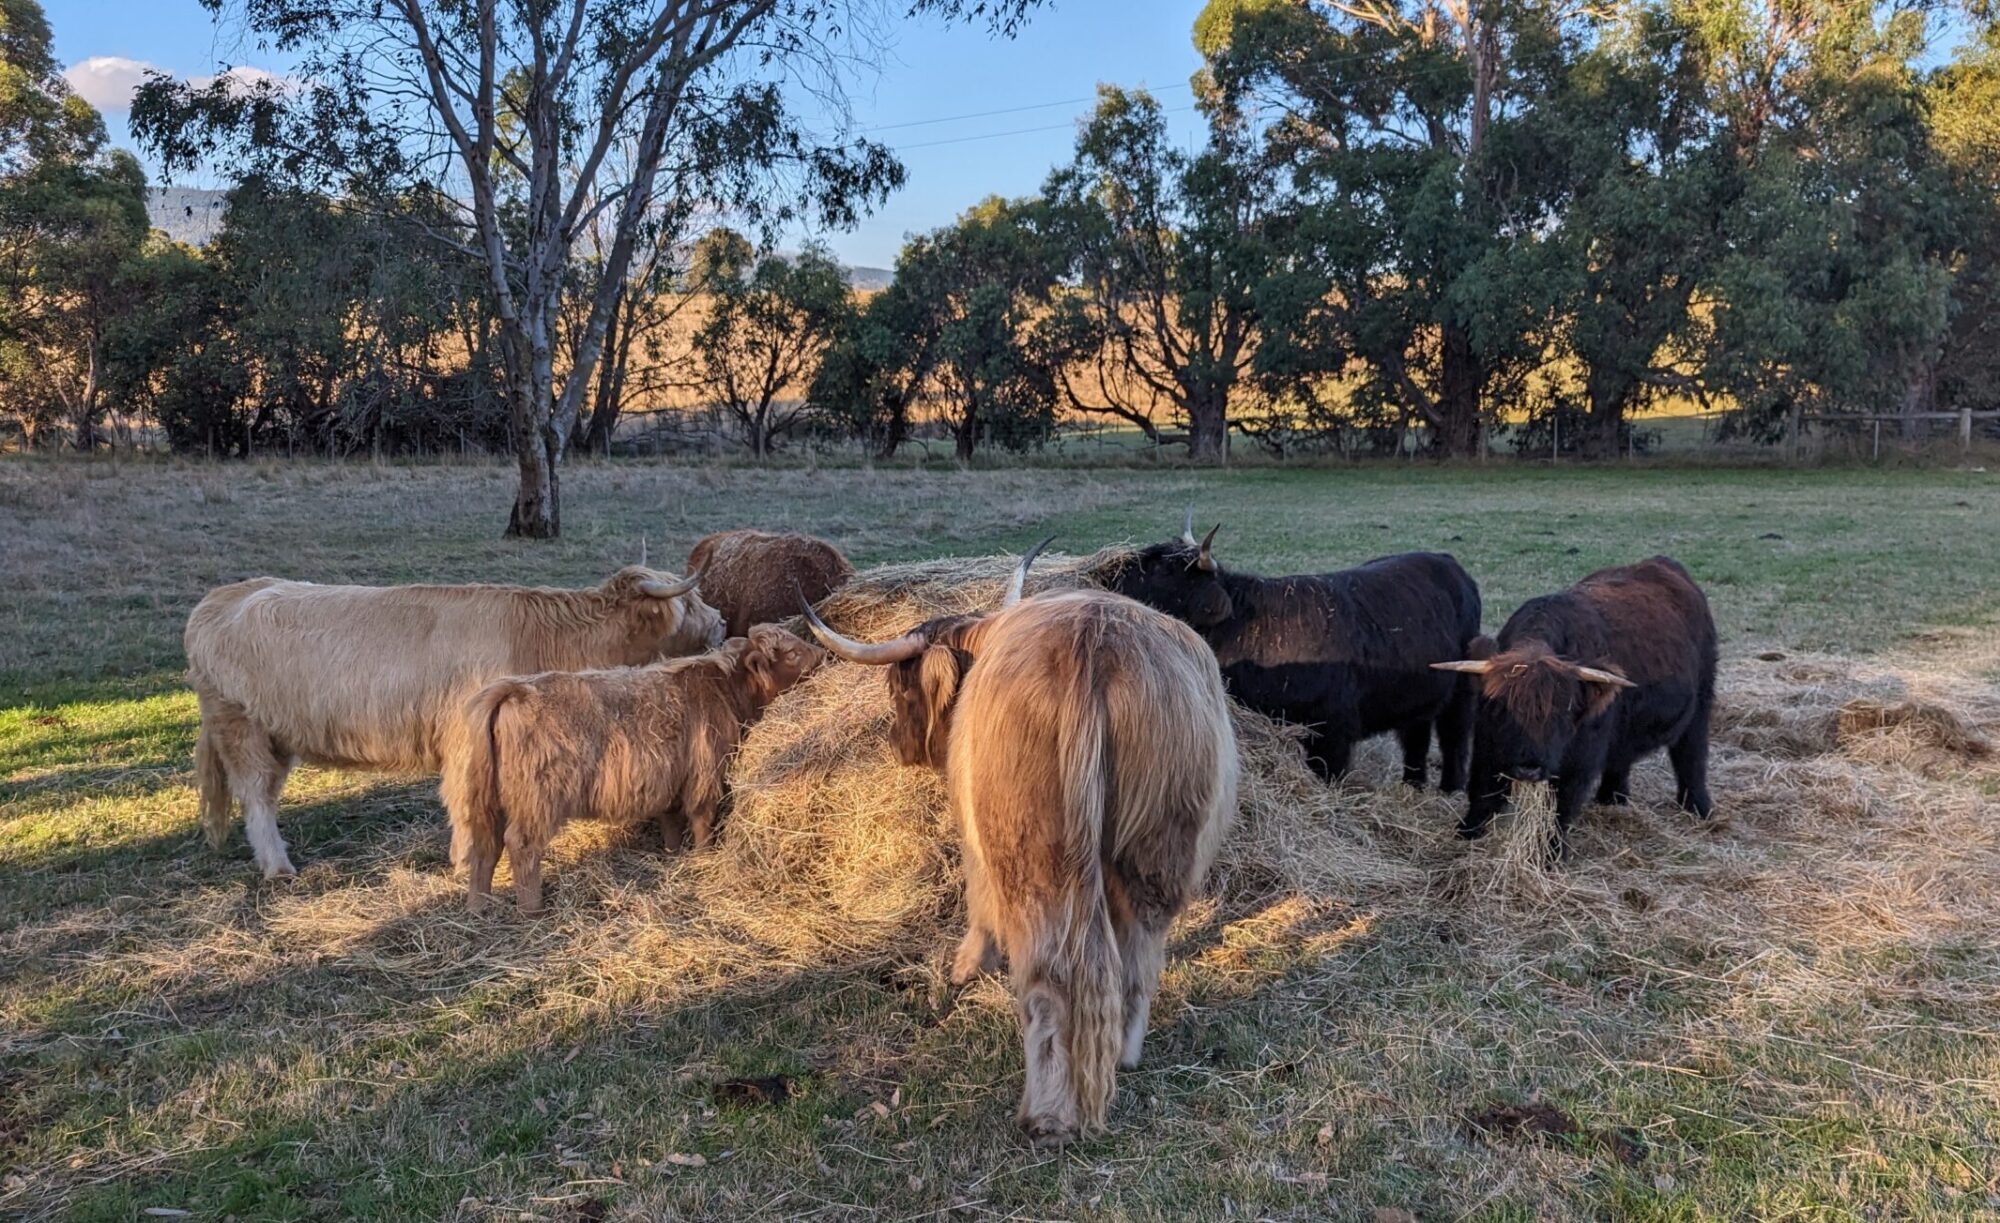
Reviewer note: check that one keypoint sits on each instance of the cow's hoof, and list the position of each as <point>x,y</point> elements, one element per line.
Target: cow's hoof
<point>283,870</point>
<point>1048,1132</point>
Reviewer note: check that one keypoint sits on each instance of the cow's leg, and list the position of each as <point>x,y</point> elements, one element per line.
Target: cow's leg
<point>1572,789</point>
<point>524,855</point>
<point>673,829</point>
<point>1454,731</point>
<point>1329,752</point>
<point>978,952</point>
<point>1048,1109</point>
<point>1485,797</point>
<point>1615,790</point>
<point>1689,754</point>
<point>256,768</point>
<point>480,860</point>
<point>1416,740</point>
<point>700,800</point>
<point>1142,952</point>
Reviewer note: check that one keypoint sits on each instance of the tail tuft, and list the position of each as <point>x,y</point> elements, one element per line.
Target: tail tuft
<point>1097,1017</point>
<point>471,785</point>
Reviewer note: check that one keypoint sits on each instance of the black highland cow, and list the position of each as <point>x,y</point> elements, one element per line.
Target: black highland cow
<point>1347,655</point>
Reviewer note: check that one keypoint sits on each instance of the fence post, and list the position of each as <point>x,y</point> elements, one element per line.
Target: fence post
<point>1877,456</point>
<point>1965,430</point>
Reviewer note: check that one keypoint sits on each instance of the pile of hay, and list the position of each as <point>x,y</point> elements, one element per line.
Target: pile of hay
<point>832,849</point>
<point>832,852</point>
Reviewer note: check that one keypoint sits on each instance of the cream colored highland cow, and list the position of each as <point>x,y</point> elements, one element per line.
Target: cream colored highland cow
<point>625,746</point>
<point>367,677</point>
<point>1086,744</point>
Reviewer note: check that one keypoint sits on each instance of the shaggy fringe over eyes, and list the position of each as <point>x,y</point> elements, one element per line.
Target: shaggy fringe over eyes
<point>1536,687</point>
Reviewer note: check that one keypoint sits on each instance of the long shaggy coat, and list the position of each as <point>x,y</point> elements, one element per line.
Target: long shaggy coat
<point>757,577</point>
<point>625,745</point>
<point>1092,769</point>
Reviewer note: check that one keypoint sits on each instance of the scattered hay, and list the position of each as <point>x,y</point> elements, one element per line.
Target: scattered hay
<point>1864,725</point>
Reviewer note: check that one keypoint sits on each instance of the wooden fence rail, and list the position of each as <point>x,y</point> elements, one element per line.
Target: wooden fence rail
<point>1964,417</point>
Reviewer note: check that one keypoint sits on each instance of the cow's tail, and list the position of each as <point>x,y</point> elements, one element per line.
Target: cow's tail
<point>472,780</point>
<point>1076,988</point>
<point>211,782</point>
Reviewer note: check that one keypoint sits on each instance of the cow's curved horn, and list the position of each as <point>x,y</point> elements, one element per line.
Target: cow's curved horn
<point>1591,675</point>
<point>642,552</point>
<point>1205,562</point>
<point>670,590</point>
<point>1471,666</point>
<point>882,653</point>
<point>1187,527</point>
<point>1019,581</point>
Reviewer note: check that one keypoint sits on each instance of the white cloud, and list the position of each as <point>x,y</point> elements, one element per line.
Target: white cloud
<point>109,81</point>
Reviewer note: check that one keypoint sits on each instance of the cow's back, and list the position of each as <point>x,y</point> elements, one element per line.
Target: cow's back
<point>1353,649</point>
<point>757,577</point>
<point>1656,622</point>
<point>1408,607</point>
<point>353,675</point>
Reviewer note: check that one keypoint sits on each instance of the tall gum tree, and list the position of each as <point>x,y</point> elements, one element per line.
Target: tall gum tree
<point>544,116</point>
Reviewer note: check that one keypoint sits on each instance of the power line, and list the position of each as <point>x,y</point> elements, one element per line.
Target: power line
<point>1019,131</point>
<point>1008,110</point>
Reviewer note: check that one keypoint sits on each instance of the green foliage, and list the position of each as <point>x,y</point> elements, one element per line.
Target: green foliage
<point>770,320</point>
<point>326,326</point>
<point>72,231</point>
<point>1174,255</point>
<point>964,321</point>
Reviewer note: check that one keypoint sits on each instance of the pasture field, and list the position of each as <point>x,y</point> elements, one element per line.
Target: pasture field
<point>1791,1012</point>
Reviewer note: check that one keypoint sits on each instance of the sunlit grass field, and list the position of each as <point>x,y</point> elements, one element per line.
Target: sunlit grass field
<point>177,1034</point>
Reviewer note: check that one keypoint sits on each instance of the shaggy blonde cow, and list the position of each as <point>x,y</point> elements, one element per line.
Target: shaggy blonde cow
<point>625,745</point>
<point>1086,744</point>
<point>367,677</point>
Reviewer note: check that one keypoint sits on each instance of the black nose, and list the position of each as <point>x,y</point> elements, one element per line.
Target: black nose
<point>1527,773</point>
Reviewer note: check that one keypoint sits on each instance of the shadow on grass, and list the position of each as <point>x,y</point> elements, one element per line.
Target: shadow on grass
<point>85,864</point>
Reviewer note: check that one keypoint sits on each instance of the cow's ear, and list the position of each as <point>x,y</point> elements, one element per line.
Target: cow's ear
<point>940,686</point>
<point>757,661</point>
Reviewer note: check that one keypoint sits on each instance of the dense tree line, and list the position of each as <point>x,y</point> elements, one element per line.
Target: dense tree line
<point>1429,220</point>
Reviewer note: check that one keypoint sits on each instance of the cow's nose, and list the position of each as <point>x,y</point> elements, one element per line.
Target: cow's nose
<point>1526,773</point>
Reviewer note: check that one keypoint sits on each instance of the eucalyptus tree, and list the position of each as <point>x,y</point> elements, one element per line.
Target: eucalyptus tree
<point>770,320</point>
<point>564,111</point>
<point>1171,254</point>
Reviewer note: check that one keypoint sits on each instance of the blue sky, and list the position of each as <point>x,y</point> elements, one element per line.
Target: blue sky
<point>934,73</point>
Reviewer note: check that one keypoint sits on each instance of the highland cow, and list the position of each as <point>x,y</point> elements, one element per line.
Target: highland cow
<point>623,746</point>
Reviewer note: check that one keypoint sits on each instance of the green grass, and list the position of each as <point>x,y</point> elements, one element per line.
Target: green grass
<point>172,1034</point>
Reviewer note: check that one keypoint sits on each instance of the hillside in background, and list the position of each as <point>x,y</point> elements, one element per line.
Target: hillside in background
<point>186,214</point>
<point>194,215</point>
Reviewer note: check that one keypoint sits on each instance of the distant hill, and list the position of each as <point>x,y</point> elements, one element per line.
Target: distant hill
<point>869,279</point>
<point>186,214</point>
<point>194,215</point>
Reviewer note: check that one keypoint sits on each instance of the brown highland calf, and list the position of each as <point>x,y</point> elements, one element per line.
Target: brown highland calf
<point>625,745</point>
